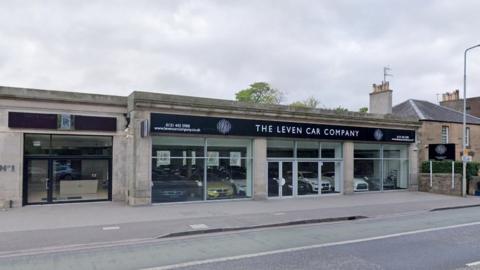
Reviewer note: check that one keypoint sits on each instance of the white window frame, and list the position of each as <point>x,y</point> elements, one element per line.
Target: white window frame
<point>444,134</point>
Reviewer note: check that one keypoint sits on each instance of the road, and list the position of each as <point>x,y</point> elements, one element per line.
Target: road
<point>435,240</point>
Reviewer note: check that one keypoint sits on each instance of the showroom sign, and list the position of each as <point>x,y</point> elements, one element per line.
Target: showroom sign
<point>441,151</point>
<point>186,124</point>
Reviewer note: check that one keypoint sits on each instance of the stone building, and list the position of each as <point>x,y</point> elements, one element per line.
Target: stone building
<point>441,125</point>
<point>62,147</point>
<point>452,100</point>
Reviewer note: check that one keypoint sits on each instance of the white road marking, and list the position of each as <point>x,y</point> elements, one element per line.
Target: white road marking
<point>278,214</point>
<point>199,226</point>
<point>473,264</point>
<point>110,228</point>
<point>266,253</point>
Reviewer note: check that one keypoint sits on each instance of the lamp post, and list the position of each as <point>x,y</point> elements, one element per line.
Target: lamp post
<point>464,154</point>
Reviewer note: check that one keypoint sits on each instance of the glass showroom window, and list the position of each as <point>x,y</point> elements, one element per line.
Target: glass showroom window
<point>177,169</point>
<point>312,167</point>
<point>308,169</point>
<point>184,169</point>
<point>229,163</point>
<point>63,168</point>
<point>395,167</point>
<point>380,167</point>
<point>280,149</point>
<point>367,167</point>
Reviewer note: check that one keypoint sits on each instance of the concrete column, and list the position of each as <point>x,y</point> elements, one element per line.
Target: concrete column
<point>139,161</point>
<point>260,169</point>
<point>348,167</point>
<point>119,168</point>
<point>413,166</point>
<point>11,169</point>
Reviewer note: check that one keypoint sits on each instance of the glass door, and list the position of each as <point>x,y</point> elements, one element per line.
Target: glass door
<point>281,179</point>
<point>38,181</point>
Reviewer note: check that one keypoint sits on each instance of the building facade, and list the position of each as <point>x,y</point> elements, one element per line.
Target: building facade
<point>441,125</point>
<point>146,148</point>
<point>452,100</point>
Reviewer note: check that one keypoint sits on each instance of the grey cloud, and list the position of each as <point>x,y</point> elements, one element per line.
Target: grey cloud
<point>333,50</point>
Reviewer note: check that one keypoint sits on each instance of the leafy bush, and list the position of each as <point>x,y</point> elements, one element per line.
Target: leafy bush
<point>446,167</point>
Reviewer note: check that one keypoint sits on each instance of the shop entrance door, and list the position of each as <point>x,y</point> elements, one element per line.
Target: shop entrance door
<point>38,184</point>
<point>50,180</point>
<point>281,179</point>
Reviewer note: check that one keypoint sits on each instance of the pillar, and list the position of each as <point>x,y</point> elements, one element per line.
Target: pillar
<point>348,167</point>
<point>413,165</point>
<point>260,169</point>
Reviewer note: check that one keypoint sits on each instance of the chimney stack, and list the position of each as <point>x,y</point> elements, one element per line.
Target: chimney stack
<point>381,99</point>
<point>451,96</point>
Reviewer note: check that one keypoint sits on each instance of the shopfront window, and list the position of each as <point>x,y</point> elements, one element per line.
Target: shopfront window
<point>64,168</point>
<point>367,167</point>
<point>37,144</point>
<point>315,167</point>
<point>380,167</point>
<point>280,149</point>
<point>395,167</point>
<point>308,149</point>
<point>67,145</point>
<point>228,168</point>
<point>192,169</point>
<point>332,150</point>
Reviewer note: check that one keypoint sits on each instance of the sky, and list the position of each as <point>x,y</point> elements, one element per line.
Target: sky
<point>331,50</point>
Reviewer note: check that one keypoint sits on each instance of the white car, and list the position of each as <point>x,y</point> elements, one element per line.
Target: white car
<point>312,180</point>
<point>359,184</point>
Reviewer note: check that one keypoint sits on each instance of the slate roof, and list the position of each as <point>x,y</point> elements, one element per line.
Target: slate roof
<point>427,111</point>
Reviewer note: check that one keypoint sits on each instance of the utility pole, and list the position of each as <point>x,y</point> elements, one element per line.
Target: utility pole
<point>465,151</point>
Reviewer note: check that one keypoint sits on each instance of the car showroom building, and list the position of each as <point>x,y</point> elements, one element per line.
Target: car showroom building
<point>59,147</point>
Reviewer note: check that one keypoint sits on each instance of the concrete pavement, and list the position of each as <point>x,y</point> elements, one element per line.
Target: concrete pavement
<point>171,218</point>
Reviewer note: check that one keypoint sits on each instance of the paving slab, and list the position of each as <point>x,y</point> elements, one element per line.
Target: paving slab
<point>45,217</point>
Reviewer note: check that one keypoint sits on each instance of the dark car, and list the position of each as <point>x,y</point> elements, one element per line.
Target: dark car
<point>173,187</point>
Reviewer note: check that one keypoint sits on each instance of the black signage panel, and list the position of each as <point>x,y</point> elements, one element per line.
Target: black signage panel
<point>441,151</point>
<point>186,124</point>
<point>32,120</point>
<point>95,123</point>
<point>61,121</point>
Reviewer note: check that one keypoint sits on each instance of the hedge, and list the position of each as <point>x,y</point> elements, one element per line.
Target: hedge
<point>446,167</point>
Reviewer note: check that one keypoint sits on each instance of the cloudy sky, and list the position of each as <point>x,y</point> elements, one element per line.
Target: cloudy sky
<point>332,50</point>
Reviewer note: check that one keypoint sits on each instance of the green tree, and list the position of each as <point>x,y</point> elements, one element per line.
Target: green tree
<point>363,110</point>
<point>260,93</point>
<point>310,103</point>
<point>340,109</point>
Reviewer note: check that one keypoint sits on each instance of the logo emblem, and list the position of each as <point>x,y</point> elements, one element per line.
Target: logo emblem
<point>440,149</point>
<point>224,126</point>
<point>378,135</point>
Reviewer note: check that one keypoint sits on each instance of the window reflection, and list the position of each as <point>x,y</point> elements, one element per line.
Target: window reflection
<point>186,169</point>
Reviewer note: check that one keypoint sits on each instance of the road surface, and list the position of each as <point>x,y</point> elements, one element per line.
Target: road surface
<point>435,240</point>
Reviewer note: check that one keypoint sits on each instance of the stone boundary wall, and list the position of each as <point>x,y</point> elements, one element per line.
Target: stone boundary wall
<point>441,183</point>
<point>472,185</point>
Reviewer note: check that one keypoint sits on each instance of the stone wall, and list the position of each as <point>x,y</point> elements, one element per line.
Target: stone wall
<point>441,183</point>
<point>472,185</point>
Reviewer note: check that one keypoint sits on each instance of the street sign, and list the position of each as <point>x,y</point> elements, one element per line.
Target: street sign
<point>467,158</point>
